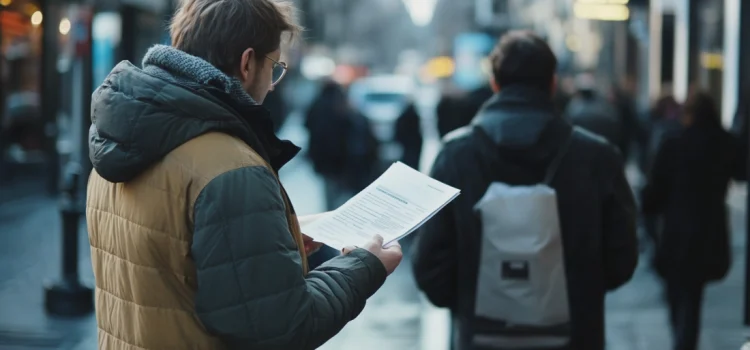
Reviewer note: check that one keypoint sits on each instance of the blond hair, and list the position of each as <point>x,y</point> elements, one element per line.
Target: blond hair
<point>219,31</point>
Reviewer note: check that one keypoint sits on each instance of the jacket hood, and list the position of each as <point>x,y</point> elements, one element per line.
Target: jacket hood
<point>516,116</point>
<point>522,122</point>
<point>140,115</point>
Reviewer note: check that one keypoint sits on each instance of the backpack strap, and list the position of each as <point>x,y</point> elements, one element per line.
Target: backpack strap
<point>555,164</point>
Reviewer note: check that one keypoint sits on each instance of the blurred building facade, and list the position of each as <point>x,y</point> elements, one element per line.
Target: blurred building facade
<point>52,55</point>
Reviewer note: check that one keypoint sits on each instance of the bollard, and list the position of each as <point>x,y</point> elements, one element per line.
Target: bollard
<point>68,297</point>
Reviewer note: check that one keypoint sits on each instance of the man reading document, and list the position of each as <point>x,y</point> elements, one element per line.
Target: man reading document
<point>194,242</point>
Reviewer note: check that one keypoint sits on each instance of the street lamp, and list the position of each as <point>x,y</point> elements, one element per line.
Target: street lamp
<point>420,11</point>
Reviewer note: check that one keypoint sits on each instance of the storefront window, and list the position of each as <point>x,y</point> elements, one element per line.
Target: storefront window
<point>107,28</point>
<point>21,127</point>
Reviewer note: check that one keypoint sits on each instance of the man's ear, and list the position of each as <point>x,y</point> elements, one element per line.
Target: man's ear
<point>247,65</point>
<point>495,86</point>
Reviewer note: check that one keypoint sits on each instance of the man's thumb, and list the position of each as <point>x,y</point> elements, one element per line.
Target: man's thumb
<point>378,240</point>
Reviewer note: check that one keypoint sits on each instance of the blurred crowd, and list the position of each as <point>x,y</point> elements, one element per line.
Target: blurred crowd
<point>685,156</point>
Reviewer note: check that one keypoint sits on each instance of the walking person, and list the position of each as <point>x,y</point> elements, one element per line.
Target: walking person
<point>408,134</point>
<point>592,111</point>
<point>544,226</point>
<point>687,190</point>
<point>194,242</point>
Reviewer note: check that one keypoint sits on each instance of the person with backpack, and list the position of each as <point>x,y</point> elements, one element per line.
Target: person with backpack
<point>545,224</point>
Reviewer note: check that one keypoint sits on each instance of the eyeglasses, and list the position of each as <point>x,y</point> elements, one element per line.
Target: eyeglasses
<point>279,71</point>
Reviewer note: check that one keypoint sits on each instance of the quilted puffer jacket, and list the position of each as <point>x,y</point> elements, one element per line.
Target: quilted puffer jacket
<point>194,242</point>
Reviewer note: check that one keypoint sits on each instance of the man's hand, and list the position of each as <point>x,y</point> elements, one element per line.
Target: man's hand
<point>389,256</point>
<point>311,247</point>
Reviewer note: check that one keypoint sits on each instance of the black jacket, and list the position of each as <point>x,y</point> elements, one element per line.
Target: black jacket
<point>597,210</point>
<point>595,114</point>
<point>688,188</point>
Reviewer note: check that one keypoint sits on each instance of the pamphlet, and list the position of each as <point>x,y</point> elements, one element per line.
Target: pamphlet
<point>395,205</point>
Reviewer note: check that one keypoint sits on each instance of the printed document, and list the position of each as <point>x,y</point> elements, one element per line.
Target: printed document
<point>396,204</point>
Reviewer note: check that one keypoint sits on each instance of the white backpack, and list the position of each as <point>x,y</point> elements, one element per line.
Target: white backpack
<point>521,284</point>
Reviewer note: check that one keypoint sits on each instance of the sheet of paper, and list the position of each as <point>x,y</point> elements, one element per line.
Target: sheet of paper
<point>396,204</point>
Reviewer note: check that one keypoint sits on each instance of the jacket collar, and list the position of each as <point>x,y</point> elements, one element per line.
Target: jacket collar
<point>197,74</point>
<point>258,120</point>
<point>516,116</point>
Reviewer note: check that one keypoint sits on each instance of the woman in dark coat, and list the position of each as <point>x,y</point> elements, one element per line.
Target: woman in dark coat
<point>687,189</point>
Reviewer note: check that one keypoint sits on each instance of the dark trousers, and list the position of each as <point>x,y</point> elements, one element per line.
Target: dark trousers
<point>685,302</point>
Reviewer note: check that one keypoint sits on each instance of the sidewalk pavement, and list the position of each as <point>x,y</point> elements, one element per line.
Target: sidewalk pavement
<point>30,243</point>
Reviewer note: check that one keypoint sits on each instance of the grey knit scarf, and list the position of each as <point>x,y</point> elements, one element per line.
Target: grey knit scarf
<point>172,64</point>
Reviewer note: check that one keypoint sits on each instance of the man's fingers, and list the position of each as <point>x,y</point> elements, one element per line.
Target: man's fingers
<point>393,244</point>
<point>378,239</point>
<point>348,250</point>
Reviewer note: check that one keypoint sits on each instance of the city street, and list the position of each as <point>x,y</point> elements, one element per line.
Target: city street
<point>395,318</point>
<point>121,83</point>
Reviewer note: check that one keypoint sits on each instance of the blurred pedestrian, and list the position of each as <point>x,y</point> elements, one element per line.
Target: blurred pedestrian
<point>455,111</point>
<point>687,188</point>
<point>450,113</point>
<point>343,151</point>
<point>277,108</point>
<point>564,92</point>
<point>409,135</point>
<point>327,122</point>
<point>664,119</point>
<point>624,101</point>
<point>194,242</point>
<point>518,143</point>
<point>342,147</point>
<point>476,98</point>
<point>592,111</point>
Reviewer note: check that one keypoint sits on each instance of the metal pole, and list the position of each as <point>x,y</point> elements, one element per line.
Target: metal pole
<point>128,15</point>
<point>50,86</point>
<point>694,43</point>
<point>70,213</point>
<point>88,90</point>
<point>68,297</point>
<point>3,136</point>
<point>744,92</point>
<point>654,50</point>
<point>731,61</point>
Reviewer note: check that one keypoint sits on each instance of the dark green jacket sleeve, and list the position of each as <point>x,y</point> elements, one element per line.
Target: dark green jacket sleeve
<point>251,288</point>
